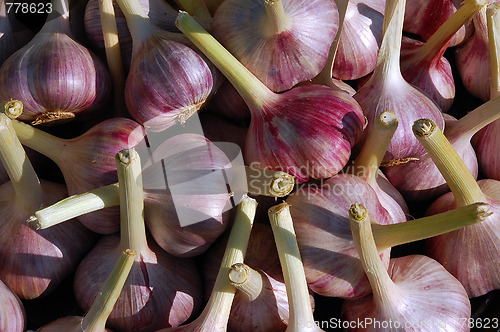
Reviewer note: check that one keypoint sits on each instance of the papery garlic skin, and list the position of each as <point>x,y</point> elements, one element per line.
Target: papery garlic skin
<point>424,17</point>
<point>308,145</point>
<point>53,73</point>
<point>360,39</point>
<point>280,59</point>
<point>321,222</point>
<point>470,254</point>
<point>12,314</point>
<point>429,299</point>
<point>65,324</point>
<point>161,290</point>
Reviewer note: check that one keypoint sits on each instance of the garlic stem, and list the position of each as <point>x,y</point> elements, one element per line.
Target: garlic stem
<point>493,21</point>
<point>325,75</point>
<point>474,121</point>
<point>246,280</point>
<point>132,226</point>
<point>387,236</point>
<point>138,21</point>
<point>40,141</point>
<point>384,289</point>
<point>75,206</point>
<point>21,173</point>
<point>197,8</point>
<point>452,167</point>
<point>12,108</point>
<point>390,49</point>
<point>113,55</point>
<point>301,315</point>
<point>268,182</point>
<point>96,317</point>
<point>438,43</point>
<point>216,313</point>
<point>254,92</point>
<point>276,20</point>
<point>259,182</point>
<point>370,157</point>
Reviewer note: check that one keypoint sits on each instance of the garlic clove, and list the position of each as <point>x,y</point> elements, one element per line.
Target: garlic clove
<point>282,42</point>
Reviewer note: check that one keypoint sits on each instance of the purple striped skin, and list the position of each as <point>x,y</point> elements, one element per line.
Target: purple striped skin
<point>470,253</point>
<point>167,83</point>
<point>12,315</point>
<point>431,75</point>
<point>321,223</point>
<point>360,39</point>
<point>307,132</point>
<point>424,17</point>
<point>54,73</point>
<point>408,103</point>
<point>279,60</point>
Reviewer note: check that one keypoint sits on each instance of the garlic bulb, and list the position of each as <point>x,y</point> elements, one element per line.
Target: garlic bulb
<point>421,179</point>
<point>147,302</point>
<point>12,314</point>
<point>327,249</point>
<point>282,42</point>
<point>33,263</point>
<point>54,76</point>
<point>469,253</point>
<point>295,131</point>
<point>386,89</point>
<point>360,39</point>
<point>424,66</point>
<point>87,161</point>
<point>424,17</point>
<point>168,81</point>
<point>416,293</point>
<point>13,34</point>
